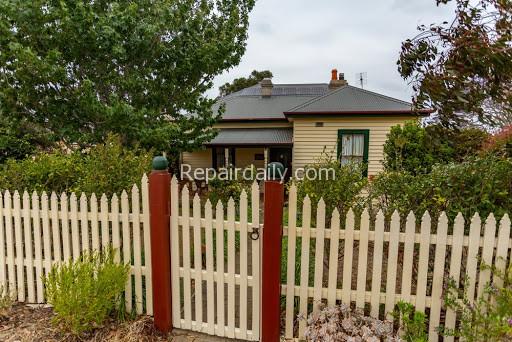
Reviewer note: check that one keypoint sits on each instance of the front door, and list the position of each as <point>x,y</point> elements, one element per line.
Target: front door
<point>284,156</point>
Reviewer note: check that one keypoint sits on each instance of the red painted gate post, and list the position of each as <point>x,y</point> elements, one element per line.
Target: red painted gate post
<point>271,256</point>
<point>159,210</point>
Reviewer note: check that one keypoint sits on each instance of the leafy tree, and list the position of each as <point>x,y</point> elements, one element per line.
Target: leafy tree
<point>84,69</point>
<point>18,139</point>
<point>241,83</point>
<point>464,68</point>
<point>417,149</point>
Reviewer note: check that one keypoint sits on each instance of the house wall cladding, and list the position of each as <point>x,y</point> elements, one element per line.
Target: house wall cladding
<point>310,141</point>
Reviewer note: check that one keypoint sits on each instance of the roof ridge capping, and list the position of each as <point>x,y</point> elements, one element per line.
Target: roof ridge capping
<point>302,108</point>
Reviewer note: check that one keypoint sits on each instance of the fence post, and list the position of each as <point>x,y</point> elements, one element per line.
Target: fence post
<point>271,255</point>
<point>159,210</point>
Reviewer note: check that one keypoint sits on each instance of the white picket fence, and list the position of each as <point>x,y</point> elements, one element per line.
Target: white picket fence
<point>37,232</point>
<point>215,266</point>
<point>351,280</point>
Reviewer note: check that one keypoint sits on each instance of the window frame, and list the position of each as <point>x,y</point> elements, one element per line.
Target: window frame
<point>366,134</point>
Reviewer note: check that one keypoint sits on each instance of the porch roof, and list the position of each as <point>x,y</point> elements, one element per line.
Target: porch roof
<point>253,137</point>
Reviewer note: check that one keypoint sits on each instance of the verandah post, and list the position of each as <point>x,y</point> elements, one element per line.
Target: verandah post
<point>271,255</point>
<point>159,210</point>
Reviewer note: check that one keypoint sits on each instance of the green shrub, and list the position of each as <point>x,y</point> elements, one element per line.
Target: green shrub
<point>412,323</point>
<point>220,189</point>
<point>481,184</point>
<point>489,318</point>
<point>86,291</point>
<point>415,149</point>
<point>342,191</point>
<point>108,168</point>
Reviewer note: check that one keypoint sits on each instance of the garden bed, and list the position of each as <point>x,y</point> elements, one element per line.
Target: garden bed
<point>34,323</point>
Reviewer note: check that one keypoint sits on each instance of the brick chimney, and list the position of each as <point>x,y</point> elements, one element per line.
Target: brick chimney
<point>337,80</point>
<point>266,87</point>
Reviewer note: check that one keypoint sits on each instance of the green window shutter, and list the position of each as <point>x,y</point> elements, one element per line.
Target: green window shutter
<point>365,133</point>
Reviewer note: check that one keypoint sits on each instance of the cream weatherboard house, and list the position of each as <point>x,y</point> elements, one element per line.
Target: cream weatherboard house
<point>295,123</point>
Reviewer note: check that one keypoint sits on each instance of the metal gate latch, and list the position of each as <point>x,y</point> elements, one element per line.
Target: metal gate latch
<point>255,234</point>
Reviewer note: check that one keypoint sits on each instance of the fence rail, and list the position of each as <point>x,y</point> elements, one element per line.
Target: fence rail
<point>374,268</point>
<point>37,231</point>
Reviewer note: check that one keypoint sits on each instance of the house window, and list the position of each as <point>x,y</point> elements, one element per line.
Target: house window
<point>219,157</point>
<point>353,146</point>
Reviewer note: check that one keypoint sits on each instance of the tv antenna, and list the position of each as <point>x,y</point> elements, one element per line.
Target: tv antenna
<point>362,79</point>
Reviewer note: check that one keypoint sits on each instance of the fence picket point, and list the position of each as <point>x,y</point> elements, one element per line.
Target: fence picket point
<point>219,237</point>
<point>392,263</point>
<point>304,262</point>
<point>319,255</point>
<point>362,259</point>
<point>105,231</point>
<point>9,241</point>
<point>378,247</point>
<point>438,277</point>
<point>209,269</point>
<point>147,240</point>
<point>18,237</point>
<point>243,265</point>
<point>95,234</point>
<point>38,248</point>
<point>255,261</point>
<point>455,266</point>
<point>75,236</point>
<point>333,258</point>
<point>410,231</point>
<point>231,268</point>
<point>198,259</point>
<point>421,288</point>
<point>66,245</point>
<point>487,253</point>
<point>290,269</point>
<point>137,251</point>
<point>348,258</point>
<point>175,254</point>
<point>472,262</point>
<point>502,248</point>
<point>46,233</point>
<point>185,213</point>
<point>127,256</point>
<point>27,228</point>
<point>84,223</point>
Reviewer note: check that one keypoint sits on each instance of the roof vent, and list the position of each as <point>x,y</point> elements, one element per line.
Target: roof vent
<point>266,87</point>
<point>337,80</point>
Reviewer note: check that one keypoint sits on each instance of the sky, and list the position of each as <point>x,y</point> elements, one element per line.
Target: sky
<point>300,41</point>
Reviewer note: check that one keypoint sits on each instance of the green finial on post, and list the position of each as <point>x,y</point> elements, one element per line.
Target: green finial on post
<point>275,171</point>
<point>160,163</point>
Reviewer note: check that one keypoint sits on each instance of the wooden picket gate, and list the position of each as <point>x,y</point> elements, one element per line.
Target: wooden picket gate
<point>215,266</point>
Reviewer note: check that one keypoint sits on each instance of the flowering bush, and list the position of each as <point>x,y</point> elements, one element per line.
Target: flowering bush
<point>340,323</point>
<point>500,143</point>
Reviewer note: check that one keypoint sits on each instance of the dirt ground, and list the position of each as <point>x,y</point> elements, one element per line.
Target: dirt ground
<point>23,323</point>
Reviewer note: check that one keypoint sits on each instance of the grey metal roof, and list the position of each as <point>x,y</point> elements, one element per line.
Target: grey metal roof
<point>253,136</point>
<point>247,104</point>
<point>351,99</point>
